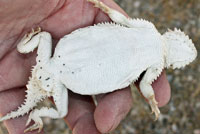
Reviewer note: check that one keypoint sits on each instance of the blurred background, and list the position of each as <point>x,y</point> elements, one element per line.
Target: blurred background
<point>182,114</point>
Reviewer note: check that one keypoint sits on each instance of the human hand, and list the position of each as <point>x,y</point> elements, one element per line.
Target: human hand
<point>58,18</point>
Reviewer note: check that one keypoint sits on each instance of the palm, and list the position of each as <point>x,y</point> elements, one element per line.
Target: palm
<point>58,19</point>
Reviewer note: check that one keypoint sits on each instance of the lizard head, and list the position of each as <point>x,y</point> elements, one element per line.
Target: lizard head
<point>180,49</point>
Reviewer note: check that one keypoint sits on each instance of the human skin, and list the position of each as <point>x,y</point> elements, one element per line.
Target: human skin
<point>59,17</point>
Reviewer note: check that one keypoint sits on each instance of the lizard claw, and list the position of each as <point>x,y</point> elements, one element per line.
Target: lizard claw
<point>27,37</point>
<point>35,126</point>
<point>99,4</point>
<point>29,119</point>
<point>33,32</point>
<point>38,123</point>
<point>154,106</point>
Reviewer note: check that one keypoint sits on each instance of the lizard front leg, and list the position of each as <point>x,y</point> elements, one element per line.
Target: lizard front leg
<point>147,90</point>
<point>60,96</point>
<point>35,39</point>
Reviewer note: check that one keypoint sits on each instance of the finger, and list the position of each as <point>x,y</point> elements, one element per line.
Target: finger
<point>162,89</point>
<point>80,115</point>
<point>85,125</point>
<point>111,109</point>
<point>19,66</point>
<point>11,100</point>
<point>72,15</point>
<point>69,19</point>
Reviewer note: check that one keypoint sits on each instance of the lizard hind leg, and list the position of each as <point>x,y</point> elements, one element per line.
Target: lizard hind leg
<point>61,101</point>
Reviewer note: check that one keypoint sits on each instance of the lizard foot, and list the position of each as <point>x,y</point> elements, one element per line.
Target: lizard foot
<point>34,127</point>
<point>28,43</point>
<point>154,106</point>
<point>38,123</point>
<point>100,5</point>
<point>29,35</point>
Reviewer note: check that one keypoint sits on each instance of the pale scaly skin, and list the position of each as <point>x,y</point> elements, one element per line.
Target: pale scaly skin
<point>44,83</point>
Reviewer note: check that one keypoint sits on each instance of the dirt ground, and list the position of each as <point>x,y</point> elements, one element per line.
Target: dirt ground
<point>182,114</point>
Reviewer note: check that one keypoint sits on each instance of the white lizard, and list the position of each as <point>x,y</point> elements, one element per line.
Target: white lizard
<point>99,59</point>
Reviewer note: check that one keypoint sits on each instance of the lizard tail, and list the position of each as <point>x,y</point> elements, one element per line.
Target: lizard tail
<point>29,103</point>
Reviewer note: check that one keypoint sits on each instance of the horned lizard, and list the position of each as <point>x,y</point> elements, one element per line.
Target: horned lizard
<point>99,59</point>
